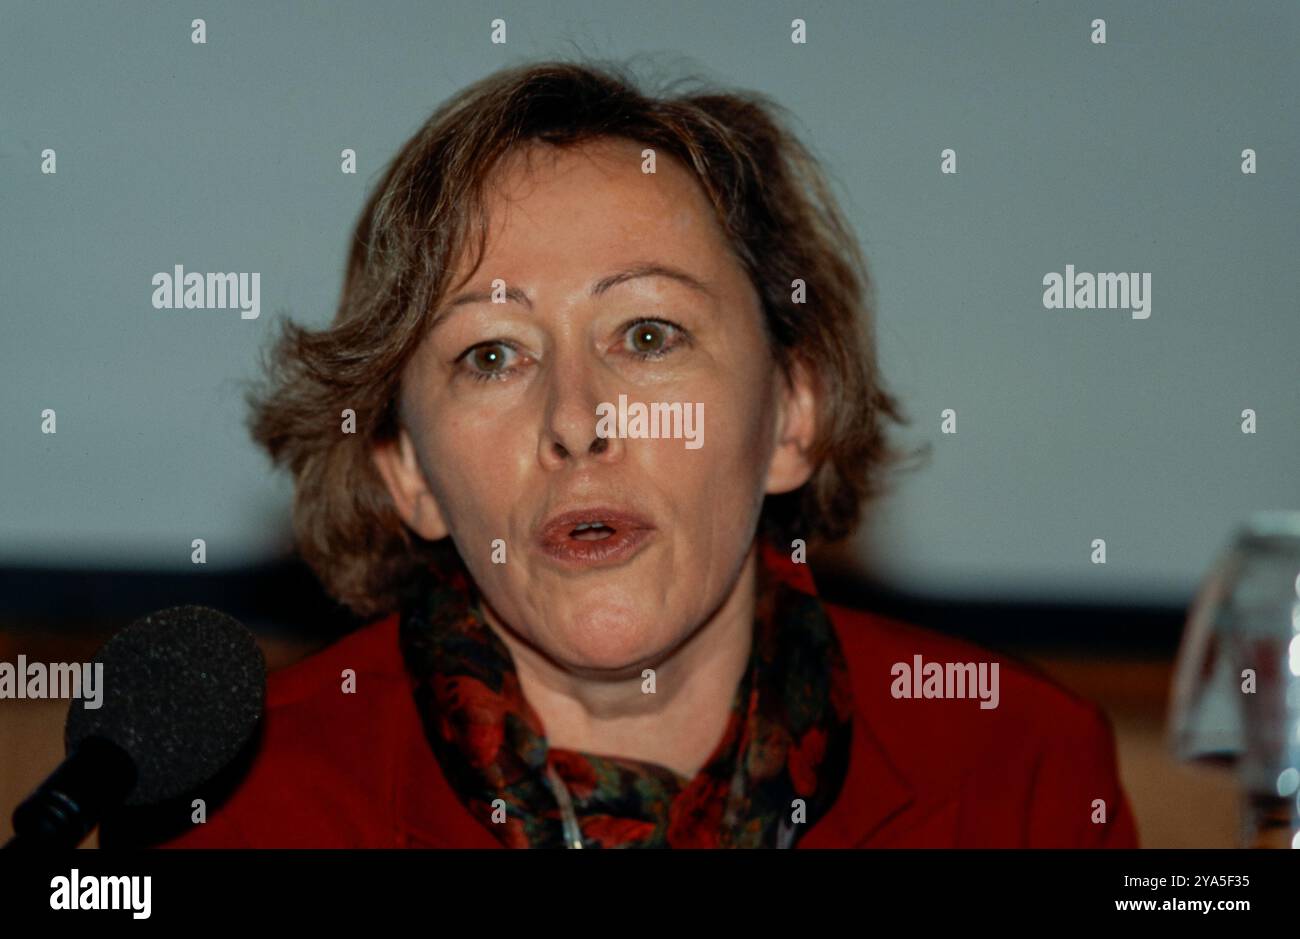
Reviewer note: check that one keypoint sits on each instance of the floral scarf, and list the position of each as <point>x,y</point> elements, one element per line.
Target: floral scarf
<point>787,737</point>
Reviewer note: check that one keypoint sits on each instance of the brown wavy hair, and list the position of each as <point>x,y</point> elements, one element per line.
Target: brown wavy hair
<point>774,204</point>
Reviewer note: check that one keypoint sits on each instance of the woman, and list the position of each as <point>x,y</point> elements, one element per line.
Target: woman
<point>592,629</point>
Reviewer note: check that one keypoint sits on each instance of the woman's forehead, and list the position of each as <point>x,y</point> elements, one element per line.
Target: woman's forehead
<point>545,203</point>
<point>602,179</point>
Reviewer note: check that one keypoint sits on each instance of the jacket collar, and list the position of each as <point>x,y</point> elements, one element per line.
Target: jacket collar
<point>874,791</point>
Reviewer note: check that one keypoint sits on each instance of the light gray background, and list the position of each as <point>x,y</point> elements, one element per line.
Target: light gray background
<point>1073,424</point>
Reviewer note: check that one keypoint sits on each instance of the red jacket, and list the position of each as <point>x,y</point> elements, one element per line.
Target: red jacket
<point>354,770</point>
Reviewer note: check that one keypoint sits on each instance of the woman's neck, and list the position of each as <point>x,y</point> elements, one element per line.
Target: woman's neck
<point>678,726</point>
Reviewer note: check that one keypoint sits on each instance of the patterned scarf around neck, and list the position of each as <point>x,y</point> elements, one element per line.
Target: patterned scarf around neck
<point>787,736</point>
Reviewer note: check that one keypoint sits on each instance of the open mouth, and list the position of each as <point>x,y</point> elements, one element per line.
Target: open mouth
<point>595,535</point>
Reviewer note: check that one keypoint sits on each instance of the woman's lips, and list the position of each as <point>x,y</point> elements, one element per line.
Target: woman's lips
<point>597,536</point>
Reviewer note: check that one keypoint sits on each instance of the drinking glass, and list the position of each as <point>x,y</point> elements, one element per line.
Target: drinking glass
<point>1236,690</point>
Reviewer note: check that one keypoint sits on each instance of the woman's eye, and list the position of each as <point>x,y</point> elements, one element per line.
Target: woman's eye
<point>651,339</point>
<point>487,361</point>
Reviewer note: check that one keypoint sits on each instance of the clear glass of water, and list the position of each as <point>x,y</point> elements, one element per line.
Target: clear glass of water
<point>1236,694</point>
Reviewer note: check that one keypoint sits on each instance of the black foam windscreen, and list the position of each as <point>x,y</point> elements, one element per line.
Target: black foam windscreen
<point>184,689</point>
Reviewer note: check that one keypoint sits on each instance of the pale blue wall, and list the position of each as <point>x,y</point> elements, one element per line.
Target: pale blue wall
<point>1073,424</point>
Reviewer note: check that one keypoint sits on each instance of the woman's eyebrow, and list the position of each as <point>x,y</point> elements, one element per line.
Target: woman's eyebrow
<point>641,269</point>
<point>651,269</point>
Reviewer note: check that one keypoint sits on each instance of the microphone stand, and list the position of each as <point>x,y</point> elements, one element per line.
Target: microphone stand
<point>97,776</point>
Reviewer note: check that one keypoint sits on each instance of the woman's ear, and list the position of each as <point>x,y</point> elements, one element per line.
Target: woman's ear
<point>796,429</point>
<point>400,470</point>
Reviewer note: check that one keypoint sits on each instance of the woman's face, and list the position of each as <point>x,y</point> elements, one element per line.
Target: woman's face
<point>614,283</point>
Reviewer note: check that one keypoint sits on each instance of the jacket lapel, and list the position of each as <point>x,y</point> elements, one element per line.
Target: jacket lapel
<point>874,791</point>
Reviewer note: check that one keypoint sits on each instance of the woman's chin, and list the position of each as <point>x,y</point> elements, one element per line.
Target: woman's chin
<point>612,641</point>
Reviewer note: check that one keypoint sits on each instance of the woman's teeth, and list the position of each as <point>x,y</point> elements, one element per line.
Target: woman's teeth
<point>591,531</point>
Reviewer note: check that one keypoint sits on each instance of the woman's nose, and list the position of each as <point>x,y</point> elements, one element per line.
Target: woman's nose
<point>570,419</point>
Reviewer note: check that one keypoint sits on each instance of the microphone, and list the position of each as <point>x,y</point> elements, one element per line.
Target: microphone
<point>184,691</point>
